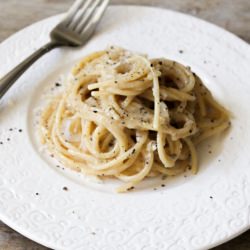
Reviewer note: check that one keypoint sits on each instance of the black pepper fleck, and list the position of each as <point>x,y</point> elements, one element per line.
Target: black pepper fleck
<point>37,193</point>
<point>181,51</point>
<point>65,189</point>
<point>20,130</point>
<point>11,129</point>
<point>163,185</point>
<point>57,84</point>
<point>131,188</point>
<point>211,197</point>
<point>8,139</point>
<point>1,142</point>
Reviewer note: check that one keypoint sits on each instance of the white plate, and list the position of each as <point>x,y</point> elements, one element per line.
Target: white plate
<point>188,213</point>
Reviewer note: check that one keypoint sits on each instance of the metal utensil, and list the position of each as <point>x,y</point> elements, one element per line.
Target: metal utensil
<point>75,30</point>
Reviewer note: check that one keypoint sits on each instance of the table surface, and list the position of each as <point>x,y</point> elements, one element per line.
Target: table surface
<point>230,14</point>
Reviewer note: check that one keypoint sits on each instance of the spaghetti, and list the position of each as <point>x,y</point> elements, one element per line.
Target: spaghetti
<point>122,115</point>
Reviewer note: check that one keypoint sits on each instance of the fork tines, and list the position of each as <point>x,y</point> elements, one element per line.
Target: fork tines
<point>82,12</point>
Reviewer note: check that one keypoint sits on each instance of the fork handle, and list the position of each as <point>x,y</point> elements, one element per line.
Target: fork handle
<point>8,80</point>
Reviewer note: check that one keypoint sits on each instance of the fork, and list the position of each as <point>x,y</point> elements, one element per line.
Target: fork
<point>74,30</point>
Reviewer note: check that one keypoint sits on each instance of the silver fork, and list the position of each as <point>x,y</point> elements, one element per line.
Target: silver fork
<point>75,30</point>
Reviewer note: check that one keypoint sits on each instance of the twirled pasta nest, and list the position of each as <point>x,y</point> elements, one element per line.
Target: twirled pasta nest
<point>122,115</point>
